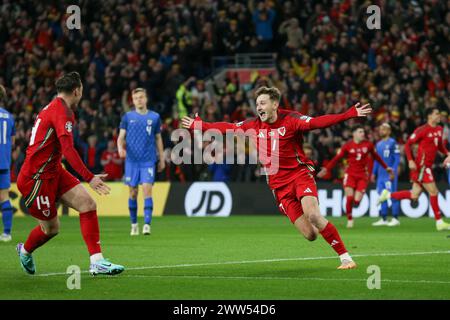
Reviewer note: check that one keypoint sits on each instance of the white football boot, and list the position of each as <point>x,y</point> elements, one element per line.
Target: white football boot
<point>134,229</point>
<point>379,223</point>
<point>393,223</point>
<point>146,230</point>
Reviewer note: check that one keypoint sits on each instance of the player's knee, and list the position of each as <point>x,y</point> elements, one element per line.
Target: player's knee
<point>88,204</point>
<point>311,236</point>
<point>415,196</point>
<point>133,193</point>
<point>51,231</point>
<point>4,195</point>
<point>313,217</point>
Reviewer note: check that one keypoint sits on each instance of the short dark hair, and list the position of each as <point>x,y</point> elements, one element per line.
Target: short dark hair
<point>2,93</point>
<point>357,127</point>
<point>68,82</point>
<point>430,111</point>
<point>273,92</point>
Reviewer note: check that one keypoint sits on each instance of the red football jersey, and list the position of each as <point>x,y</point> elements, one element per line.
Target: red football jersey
<point>280,144</point>
<point>358,156</point>
<point>43,156</point>
<point>430,142</point>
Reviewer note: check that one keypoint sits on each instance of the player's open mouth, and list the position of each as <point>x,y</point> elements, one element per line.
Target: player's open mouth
<point>261,114</point>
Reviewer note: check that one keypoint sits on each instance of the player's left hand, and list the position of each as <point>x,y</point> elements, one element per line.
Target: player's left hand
<point>391,173</point>
<point>363,111</point>
<point>161,165</point>
<point>98,185</point>
<point>373,178</point>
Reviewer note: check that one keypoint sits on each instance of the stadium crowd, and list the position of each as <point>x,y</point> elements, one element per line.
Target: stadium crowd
<point>327,59</point>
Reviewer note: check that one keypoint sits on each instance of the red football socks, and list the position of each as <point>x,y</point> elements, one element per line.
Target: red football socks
<point>400,195</point>
<point>331,235</point>
<point>36,239</point>
<point>90,231</point>
<point>435,206</point>
<point>348,207</point>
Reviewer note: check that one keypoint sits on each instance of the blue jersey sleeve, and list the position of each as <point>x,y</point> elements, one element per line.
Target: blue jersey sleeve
<point>158,125</point>
<point>124,122</point>
<point>396,156</point>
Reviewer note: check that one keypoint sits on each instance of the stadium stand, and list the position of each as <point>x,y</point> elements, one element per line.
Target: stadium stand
<point>325,58</point>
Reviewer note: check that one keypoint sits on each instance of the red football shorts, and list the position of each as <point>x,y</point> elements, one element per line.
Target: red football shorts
<point>288,197</point>
<point>41,195</point>
<point>357,183</point>
<point>422,175</point>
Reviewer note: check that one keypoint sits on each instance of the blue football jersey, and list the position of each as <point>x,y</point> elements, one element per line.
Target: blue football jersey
<point>141,136</point>
<point>7,131</point>
<point>390,152</point>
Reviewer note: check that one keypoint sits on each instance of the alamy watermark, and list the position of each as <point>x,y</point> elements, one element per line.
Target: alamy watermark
<point>374,20</point>
<point>73,21</point>
<point>74,280</point>
<point>374,280</point>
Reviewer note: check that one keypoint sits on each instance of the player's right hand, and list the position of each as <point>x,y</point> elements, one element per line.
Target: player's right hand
<point>122,153</point>
<point>363,111</point>
<point>187,122</point>
<point>98,185</point>
<point>322,173</point>
<point>412,165</point>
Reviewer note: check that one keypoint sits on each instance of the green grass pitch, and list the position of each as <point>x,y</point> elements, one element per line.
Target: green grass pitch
<point>241,257</point>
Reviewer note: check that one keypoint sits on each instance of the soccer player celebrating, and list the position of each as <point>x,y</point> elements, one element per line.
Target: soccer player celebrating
<point>356,177</point>
<point>140,142</point>
<point>389,151</point>
<point>7,132</point>
<point>293,183</point>
<point>429,139</point>
<point>43,181</point>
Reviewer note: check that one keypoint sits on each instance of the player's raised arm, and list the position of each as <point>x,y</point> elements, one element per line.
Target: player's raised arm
<point>309,123</point>
<point>197,122</point>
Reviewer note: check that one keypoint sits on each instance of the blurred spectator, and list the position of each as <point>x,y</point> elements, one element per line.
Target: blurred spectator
<point>326,60</point>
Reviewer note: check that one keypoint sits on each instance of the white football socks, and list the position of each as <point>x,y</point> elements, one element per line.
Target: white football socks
<point>96,257</point>
<point>346,257</point>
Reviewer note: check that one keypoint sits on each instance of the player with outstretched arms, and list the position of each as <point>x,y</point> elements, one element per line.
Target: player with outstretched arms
<point>43,181</point>
<point>140,143</point>
<point>356,178</point>
<point>428,137</point>
<point>293,185</point>
<point>7,133</point>
<point>389,150</point>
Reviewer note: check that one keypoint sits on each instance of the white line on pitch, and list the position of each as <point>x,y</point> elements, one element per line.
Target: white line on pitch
<point>280,278</point>
<point>187,265</point>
